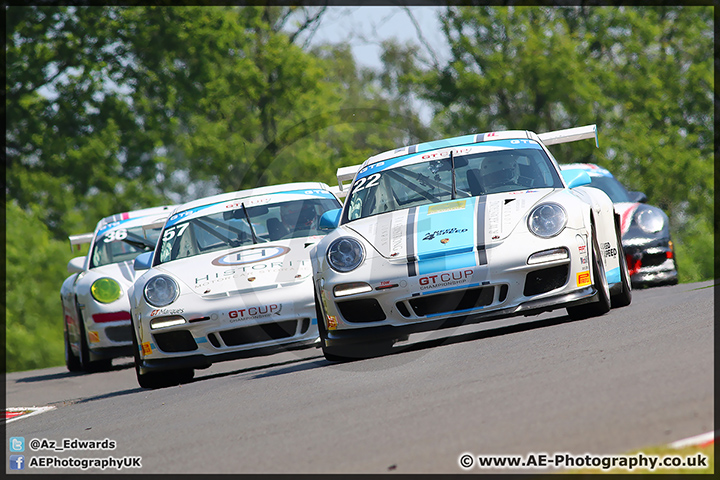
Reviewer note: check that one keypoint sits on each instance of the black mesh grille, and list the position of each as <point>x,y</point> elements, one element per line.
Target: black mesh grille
<point>362,310</point>
<point>541,281</point>
<point>177,341</point>
<point>119,334</point>
<point>259,333</point>
<point>452,301</point>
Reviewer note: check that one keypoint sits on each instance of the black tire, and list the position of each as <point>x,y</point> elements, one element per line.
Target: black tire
<point>72,362</point>
<point>624,297</point>
<point>167,378</point>
<point>88,365</point>
<point>602,305</point>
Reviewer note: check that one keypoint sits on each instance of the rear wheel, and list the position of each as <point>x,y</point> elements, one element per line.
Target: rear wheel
<point>602,305</point>
<point>624,297</point>
<point>162,379</point>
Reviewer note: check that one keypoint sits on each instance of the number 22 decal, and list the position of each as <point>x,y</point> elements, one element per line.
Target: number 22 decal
<point>371,180</point>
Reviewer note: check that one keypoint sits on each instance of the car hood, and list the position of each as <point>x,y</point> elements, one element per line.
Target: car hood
<point>123,272</point>
<point>243,269</point>
<point>451,227</point>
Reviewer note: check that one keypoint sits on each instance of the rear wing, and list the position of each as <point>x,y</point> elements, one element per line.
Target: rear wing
<point>80,240</point>
<point>340,194</point>
<point>570,135</point>
<point>346,173</point>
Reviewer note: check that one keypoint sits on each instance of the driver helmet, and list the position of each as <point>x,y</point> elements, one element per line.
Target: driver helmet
<point>298,216</point>
<point>499,170</point>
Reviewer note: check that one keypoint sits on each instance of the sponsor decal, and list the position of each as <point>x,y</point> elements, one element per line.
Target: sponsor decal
<point>146,348</point>
<point>583,279</point>
<point>448,231</point>
<point>445,279</point>
<point>251,270</point>
<point>581,248</point>
<point>166,311</point>
<point>255,312</point>
<point>445,153</point>
<point>250,255</point>
<point>93,337</point>
<point>332,322</point>
<point>447,207</point>
<point>608,250</point>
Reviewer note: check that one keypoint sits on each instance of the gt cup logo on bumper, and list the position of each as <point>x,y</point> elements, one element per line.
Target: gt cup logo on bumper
<point>255,312</point>
<point>445,279</point>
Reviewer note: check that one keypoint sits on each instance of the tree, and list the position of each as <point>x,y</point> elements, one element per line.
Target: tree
<point>644,75</point>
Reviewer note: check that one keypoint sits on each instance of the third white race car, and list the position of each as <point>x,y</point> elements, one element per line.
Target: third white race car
<point>464,230</point>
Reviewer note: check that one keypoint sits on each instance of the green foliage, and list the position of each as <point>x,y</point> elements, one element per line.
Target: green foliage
<point>35,267</point>
<point>644,75</point>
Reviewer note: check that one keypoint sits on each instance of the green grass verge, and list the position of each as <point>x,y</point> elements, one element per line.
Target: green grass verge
<point>691,452</point>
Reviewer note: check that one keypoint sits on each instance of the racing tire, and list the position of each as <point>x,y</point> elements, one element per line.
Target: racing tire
<point>72,362</point>
<point>88,365</point>
<point>163,379</point>
<point>602,305</point>
<point>624,297</point>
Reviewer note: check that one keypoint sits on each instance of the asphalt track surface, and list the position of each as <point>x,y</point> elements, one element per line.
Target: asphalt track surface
<point>636,377</point>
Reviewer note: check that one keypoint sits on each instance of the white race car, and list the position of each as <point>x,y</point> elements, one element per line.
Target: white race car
<point>94,298</point>
<point>460,231</point>
<point>229,278</point>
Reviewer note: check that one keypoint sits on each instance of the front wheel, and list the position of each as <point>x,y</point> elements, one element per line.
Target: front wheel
<point>72,362</point>
<point>602,305</point>
<point>624,297</point>
<point>168,378</point>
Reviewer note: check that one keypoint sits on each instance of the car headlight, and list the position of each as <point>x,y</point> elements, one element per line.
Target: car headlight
<point>105,290</point>
<point>161,291</point>
<point>547,220</point>
<point>345,254</point>
<point>649,220</point>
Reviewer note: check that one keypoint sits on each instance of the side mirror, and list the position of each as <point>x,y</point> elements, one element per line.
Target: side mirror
<point>143,261</point>
<point>330,219</point>
<point>76,265</point>
<point>638,197</point>
<point>575,177</point>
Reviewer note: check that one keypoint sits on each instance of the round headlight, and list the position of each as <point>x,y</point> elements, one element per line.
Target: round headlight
<point>105,290</point>
<point>345,254</point>
<point>649,220</point>
<point>161,291</point>
<point>547,220</point>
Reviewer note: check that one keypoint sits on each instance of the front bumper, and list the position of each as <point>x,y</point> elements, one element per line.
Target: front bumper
<point>651,264</point>
<point>230,327</point>
<point>400,299</point>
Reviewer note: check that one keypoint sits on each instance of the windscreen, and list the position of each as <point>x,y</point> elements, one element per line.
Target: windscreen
<point>122,244</point>
<point>244,225</point>
<point>612,187</point>
<point>434,180</point>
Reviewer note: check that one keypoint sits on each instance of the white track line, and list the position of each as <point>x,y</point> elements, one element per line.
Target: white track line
<point>33,411</point>
<point>708,437</point>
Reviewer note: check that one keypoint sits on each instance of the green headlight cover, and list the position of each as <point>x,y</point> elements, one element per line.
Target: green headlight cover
<point>105,290</point>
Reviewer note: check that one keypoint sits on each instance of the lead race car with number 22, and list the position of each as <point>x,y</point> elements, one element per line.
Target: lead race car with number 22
<point>464,230</point>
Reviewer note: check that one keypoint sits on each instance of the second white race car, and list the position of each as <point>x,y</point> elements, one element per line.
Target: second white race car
<point>230,278</point>
<point>464,230</point>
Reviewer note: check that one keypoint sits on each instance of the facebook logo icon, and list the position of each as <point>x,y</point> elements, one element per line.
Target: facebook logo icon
<point>17,462</point>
